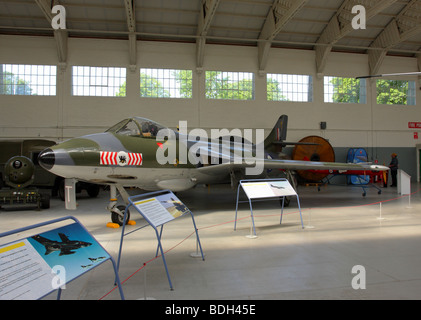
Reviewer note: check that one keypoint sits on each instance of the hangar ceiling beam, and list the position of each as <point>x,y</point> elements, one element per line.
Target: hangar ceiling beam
<point>341,24</point>
<point>207,12</point>
<point>60,35</point>
<point>281,12</point>
<point>131,26</point>
<point>404,26</point>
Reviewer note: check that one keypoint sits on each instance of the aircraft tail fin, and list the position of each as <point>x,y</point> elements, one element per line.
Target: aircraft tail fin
<point>275,141</point>
<point>278,133</point>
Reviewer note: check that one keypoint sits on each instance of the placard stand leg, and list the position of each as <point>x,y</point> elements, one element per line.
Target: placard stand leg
<point>159,247</point>
<point>252,234</point>
<point>236,206</point>
<point>301,216</point>
<point>198,244</point>
<point>299,209</point>
<point>197,254</point>
<point>158,235</point>
<point>150,208</point>
<point>59,294</point>
<point>259,194</point>
<point>282,210</point>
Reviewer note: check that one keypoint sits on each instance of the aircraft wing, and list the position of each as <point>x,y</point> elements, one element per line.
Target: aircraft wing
<point>290,165</point>
<point>41,240</point>
<point>65,252</point>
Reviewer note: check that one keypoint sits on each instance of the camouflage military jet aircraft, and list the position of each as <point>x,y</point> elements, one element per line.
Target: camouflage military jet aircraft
<point>126,155</point>
<point>65,247</point>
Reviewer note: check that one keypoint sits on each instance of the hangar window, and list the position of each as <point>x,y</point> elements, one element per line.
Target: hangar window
<point>98,81</point>
<point>399,92</point>
<point>229,85</point>
<point>345,90</point>
<point>289,87</point>
<point>28,80</point>
<point>166,83</point>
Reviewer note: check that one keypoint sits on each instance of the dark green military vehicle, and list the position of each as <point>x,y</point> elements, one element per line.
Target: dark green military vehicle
<point>29,149</point>
<point>18,176</point>
<point>24,182</point>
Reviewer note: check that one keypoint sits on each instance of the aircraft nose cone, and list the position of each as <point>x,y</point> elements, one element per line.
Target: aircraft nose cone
<point>47,159</point>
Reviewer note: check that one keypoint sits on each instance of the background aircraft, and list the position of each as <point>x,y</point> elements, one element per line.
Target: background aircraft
<point>126,156</point>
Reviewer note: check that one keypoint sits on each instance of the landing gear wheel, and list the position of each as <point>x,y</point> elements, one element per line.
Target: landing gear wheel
<point>117,218</point>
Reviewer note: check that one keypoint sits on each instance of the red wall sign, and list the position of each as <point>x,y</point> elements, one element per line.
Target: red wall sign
<point>414,125</point>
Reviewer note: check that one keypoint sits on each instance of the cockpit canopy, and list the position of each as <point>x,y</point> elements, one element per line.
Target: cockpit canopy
<point>137,127</point>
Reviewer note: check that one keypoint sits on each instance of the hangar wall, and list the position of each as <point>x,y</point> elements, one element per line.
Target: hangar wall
<point>380,128</point>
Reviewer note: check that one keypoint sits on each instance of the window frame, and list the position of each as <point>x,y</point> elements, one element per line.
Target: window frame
<point>41,80</point>
<point>291,83</point>
<point>98,81</point>
<point>410,94</point>
<point>360,98</point>
<point>164,83</point>
<point>230,88</point>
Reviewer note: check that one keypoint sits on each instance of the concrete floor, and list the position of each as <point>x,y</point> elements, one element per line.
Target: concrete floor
<point>343,229</point>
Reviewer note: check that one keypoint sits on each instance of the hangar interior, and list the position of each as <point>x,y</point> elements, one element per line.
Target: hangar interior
<point>85,77</point>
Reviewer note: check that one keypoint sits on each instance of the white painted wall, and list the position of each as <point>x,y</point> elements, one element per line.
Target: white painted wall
<point>64,116</point>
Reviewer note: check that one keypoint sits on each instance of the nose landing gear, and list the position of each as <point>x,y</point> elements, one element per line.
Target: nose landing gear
<point>117,215</point>
<point>117,211</point>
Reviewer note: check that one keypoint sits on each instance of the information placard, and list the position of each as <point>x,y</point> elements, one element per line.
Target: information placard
<point>158,208</point>
<point>269,189</point>
<point>33,267</point>
<point>161,209</point>
<point>24,275</point>
<point>265,189</point>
